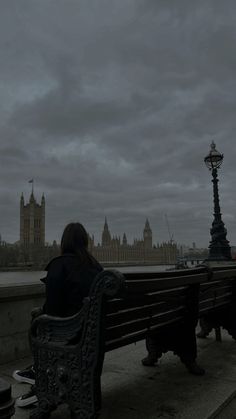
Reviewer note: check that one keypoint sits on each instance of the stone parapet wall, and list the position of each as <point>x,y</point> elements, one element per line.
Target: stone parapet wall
<point>16,303</point>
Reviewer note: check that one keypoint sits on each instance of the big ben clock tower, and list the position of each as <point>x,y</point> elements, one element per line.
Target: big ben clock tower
<point>147,236</point>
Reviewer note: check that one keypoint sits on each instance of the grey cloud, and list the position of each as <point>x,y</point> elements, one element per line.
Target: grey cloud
<point>111,107</point>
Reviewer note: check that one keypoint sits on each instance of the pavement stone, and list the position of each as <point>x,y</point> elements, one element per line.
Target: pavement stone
<point>167,391</point>
<point>228,412</point>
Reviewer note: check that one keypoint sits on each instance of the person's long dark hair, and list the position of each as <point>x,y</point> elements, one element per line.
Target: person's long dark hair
<point>75,240</point>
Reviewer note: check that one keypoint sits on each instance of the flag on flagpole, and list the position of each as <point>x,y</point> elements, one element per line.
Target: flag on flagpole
<point>32,183</point>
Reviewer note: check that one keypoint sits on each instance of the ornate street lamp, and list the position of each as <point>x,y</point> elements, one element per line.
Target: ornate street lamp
<point>219,248</point>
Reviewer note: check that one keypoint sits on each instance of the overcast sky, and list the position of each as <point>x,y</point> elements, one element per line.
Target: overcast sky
<point>111,107</point>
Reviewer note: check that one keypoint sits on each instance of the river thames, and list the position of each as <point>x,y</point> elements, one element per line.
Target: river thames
<point>31,277</point>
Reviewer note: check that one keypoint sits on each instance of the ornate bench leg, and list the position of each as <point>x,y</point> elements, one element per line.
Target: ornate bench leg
<point>83,407</point>
<point>80,415</point>
<point>45,405</point>
<point>85,400</point>
<point>83,415</point>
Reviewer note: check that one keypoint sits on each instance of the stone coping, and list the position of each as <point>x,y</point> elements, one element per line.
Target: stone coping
<point>21,290</point>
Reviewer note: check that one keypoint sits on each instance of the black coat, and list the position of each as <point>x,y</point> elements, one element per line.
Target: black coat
<point>67,283</point>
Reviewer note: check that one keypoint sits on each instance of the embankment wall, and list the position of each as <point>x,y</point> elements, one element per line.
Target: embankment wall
<point>16,303</point>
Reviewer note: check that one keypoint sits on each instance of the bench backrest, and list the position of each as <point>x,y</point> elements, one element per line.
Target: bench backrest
<point>218,291</point>
<point>145,302</point>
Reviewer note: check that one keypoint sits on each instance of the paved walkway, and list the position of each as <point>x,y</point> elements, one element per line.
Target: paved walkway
<point>167,391</point>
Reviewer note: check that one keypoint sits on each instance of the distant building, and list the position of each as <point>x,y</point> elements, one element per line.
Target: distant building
<point>32,222</point>
<point>193,253</point>
<point>113,250</point>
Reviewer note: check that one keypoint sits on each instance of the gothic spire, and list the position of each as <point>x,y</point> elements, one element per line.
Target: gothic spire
<point>147,225</point>
<point>106,236</point>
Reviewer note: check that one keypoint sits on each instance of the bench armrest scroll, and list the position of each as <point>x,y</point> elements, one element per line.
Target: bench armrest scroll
<point>45,328</point>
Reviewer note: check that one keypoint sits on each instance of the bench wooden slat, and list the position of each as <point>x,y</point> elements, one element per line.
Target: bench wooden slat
<point>207,309</point>
<point>141,286</point>
<point>215,289</point>
<point>125,340</point>
<point>217,292</point>
<point>215,284</point>
<point>229,273</point>
<point>223,290</point>
<point>213,303</point>
<point>130,314</point>
<point>179,273</point>
<point>135,337</point>
<point>216,297</point>
<point>176,294</point>
<point>142,324</point>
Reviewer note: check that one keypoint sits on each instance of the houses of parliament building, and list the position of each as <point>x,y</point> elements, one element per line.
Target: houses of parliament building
<point>111,250</point>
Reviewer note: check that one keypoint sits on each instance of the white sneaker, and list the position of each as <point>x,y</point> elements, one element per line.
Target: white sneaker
<point>27,399</point>
<point>25,376</point>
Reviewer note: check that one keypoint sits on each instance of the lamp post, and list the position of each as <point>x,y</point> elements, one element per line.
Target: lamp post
<point>219,248</point>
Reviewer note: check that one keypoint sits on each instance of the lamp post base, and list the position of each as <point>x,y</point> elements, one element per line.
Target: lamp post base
<point>219,251</point>
<point>219,248</point>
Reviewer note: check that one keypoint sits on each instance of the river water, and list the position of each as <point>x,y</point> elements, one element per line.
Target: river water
<point>32,277</point>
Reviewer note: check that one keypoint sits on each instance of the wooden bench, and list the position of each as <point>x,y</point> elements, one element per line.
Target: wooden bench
<point>120,310</point>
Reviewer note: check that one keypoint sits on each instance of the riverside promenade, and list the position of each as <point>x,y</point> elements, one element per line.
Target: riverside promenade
<point>167,391</point>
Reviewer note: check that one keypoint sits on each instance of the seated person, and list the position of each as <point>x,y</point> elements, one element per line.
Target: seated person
<point>68,281</point>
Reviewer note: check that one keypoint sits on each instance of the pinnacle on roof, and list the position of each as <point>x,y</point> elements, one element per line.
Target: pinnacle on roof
<point>147,225</point>
<point>32,198</point>
<point>106,224</point>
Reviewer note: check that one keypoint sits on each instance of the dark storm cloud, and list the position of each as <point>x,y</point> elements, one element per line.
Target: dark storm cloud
<point>111,107</point>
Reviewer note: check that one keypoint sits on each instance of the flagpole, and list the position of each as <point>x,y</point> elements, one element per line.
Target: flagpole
<point>32,181</point>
